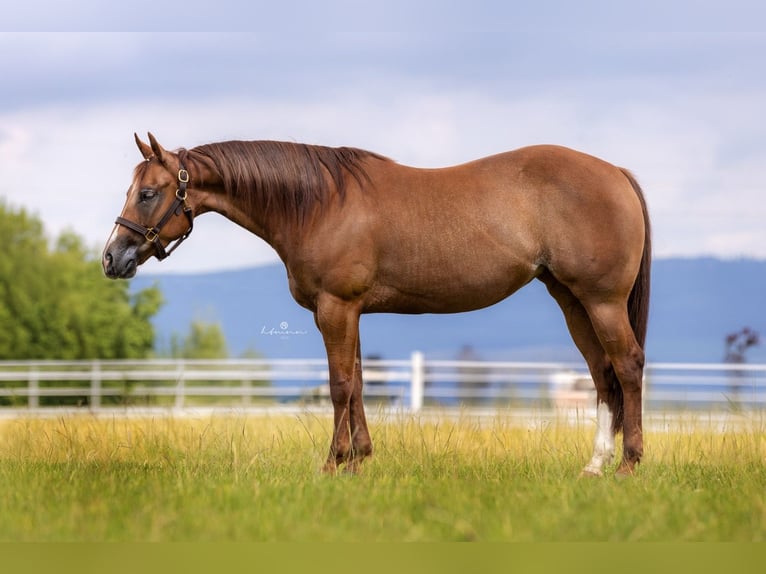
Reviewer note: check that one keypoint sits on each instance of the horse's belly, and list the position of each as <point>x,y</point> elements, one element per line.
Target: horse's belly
<point>445,294</point>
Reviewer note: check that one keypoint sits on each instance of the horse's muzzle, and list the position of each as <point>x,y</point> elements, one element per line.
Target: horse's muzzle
<point>120,265</point>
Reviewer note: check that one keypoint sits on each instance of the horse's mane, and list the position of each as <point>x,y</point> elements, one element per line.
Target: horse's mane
<point>287,178</point>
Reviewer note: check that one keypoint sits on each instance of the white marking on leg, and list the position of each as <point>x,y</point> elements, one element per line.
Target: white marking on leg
<point>603,445</point>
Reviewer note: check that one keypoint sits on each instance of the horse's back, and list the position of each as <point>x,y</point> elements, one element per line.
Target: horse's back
<point>464,237</point>
<point>526,204</point>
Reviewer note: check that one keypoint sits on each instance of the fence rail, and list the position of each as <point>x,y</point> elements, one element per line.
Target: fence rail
<point>405,384</point>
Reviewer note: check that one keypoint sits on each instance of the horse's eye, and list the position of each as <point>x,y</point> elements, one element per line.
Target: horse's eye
<point>147,195</point>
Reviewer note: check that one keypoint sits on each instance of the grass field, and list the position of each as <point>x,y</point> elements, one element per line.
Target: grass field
<point>239,478</point>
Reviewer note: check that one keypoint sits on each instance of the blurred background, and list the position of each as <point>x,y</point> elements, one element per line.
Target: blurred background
<point>672,91</point>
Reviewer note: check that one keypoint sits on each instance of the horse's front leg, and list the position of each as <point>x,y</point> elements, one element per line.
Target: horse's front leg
<point>338,321</point>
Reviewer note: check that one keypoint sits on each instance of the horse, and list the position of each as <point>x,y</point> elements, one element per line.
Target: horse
<point>360,233</point>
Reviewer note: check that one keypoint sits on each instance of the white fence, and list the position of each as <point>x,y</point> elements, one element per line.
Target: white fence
<point>409,385</point>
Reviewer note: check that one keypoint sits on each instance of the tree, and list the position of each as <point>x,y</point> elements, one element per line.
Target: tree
<point>55,302</point>
<point>736,345</point>
<point>204,341</point>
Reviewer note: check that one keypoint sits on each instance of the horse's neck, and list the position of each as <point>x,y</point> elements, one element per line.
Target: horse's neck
<point>252,217</point>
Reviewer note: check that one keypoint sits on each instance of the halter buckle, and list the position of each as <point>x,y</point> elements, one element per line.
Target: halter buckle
<point>183,176</point>
<point>151,235</point>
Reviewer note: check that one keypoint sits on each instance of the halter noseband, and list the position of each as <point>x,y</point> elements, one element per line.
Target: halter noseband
<point>152,234</point>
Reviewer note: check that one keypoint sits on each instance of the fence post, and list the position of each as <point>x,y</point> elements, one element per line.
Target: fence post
<point>417,381</point>
<point>247,395</point>
<point>180,386</point>
<point>33,389</point>
<point>95,385</point>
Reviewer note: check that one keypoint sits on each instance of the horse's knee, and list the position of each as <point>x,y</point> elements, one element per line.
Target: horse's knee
<point>340,391</point>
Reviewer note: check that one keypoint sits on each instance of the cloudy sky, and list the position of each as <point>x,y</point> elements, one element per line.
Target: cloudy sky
<point>675,91</point>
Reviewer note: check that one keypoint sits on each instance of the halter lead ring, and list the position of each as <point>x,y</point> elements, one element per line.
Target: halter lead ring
<point>152,234</point>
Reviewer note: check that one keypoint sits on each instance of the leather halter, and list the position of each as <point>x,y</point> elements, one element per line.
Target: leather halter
<point>152,234</point>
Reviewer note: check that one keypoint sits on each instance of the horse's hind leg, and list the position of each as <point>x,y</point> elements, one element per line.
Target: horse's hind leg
<point>612,325</point>
<point>599,365</point>
<point>361,443</point>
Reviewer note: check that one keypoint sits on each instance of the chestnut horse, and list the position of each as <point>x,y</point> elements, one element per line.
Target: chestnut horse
<point>359,233</point>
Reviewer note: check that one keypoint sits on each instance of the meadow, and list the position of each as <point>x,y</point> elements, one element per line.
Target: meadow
<point>255,478</point>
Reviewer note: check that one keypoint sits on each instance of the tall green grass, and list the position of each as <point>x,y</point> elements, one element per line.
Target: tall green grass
<point>256,479</point>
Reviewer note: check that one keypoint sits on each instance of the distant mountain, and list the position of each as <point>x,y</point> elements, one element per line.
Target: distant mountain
<point>695,304</point>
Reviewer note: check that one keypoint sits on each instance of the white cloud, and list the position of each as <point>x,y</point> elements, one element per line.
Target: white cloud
<point>699,160</point>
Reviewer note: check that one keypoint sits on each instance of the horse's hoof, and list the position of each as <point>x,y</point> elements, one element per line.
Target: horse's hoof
<point>329,468</point>
<point>589,472</point>
<point>624,472</point>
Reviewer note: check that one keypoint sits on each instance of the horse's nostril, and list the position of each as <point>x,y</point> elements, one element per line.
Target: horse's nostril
<point>108,265</point>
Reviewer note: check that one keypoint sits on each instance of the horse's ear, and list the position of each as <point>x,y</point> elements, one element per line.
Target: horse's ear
<point>158,150</point>
<point>145,150</point>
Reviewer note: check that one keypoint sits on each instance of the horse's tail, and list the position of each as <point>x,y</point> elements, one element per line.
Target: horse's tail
<point>638,302</point>
<point>638,305</point>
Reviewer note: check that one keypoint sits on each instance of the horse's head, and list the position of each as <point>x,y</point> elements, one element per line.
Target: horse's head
<point>155,214</point>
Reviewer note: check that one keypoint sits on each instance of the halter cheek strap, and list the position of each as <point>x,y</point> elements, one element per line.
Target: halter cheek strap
<point>179,205</point>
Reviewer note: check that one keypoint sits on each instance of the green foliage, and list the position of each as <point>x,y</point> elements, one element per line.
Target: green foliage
<point>55,302</point>
<point>204,341</point>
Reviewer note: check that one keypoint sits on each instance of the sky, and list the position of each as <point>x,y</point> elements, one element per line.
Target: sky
<point>674,91</point>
